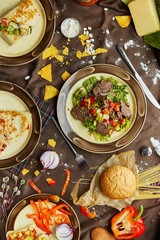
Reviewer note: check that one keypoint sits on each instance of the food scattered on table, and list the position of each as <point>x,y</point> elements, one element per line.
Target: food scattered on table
<point>64,189</point>
<point>36,173</point>
<point>50,181</point>
<point>86,212</point>
<point>25,171</point>
<point>65,50</point>
<point>70,27</point>
<point>15,128</point>
<point>95,196</point>
<point>64,232</point>
<point>100,233</point>
<point>49,160</point>
<point>46,217</point>
<point>65,75</point>
<point>128,224</point>
<point>145,16</point>
<point>33,185</point>
<point>118,182</point>
<point>46,72</point>
<point>51,142</point>
<point>123,21</point>
<point>22,28</point>
<point>146,151</point>
<point>50,92</point>
<point>50,52</point>
<point>101,108</point>
<point>156,145</point>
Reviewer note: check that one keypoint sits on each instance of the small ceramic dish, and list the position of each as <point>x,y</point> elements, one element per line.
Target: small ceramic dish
<point>70,27</point>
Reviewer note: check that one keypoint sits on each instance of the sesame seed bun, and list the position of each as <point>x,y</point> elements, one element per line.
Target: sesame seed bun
<point>118,182</point>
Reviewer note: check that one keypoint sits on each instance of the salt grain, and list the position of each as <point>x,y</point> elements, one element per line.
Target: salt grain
<point>27,77</point>
<point>107,31</point>
<point>118,61</point>
<point>108,43</point>
<point>137,54</point>
<point>156,145</point>
<point>89,28</point>
<point>156,77</point>
<point>105,9</point>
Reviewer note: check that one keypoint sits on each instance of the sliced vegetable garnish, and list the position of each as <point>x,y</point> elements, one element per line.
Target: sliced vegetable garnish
<point>36,209</point>
<point>64,232</point>
<point>54,197</point>
<point>34,187</point>
<point>66,182</point>
<point>50,181</point>
<point>85,211</point>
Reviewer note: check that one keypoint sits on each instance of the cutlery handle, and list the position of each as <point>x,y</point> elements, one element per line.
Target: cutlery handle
<point>63,135</point>
<point>125,58</point>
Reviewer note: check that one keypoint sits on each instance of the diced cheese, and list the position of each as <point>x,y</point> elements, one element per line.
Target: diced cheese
<point>145,16</point>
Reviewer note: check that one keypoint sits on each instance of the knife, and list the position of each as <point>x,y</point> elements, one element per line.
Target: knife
<point>147,92</point>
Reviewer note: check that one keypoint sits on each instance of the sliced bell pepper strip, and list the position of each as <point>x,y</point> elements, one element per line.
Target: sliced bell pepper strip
<point>31,215</point>
<point>85,211</point>
<point>34,205</point>
<point>50,181</point>
<point>40,205</point>
<point>34,187</point>
<point>65,212</point>
<point>66,182</point>
<point>59,207</point>
<point>41,226</point>
<point>54,197</point>
<point>127,224</point>
<point>46,223</point>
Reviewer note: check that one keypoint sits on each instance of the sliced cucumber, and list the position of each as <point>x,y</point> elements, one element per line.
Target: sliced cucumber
<point>13,24</point>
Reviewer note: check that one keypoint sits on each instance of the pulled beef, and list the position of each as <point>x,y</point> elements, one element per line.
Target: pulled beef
<point>102,88</point>
<point>125,110</point>
<point>102,128</point>
<point>80,113</point>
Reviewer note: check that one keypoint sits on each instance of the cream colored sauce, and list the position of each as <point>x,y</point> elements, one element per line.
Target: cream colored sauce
<point>22,221</point>
<point>77,125</point>
<point>10,102</point>
<point>11,48</point>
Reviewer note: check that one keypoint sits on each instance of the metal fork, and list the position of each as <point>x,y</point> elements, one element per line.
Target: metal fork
<point>79,158</point>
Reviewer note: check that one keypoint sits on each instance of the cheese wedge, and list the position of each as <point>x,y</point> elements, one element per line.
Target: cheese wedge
<point>145,16</point>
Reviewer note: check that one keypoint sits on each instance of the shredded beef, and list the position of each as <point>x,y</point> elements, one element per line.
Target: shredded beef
<point>80,113</point>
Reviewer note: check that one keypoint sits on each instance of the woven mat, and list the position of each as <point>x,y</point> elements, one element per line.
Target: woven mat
<point>46,113</point>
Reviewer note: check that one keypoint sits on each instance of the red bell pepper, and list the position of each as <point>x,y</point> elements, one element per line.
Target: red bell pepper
<point>66,182</point>
<point>127,224</point>
<point>111,104</point>
<point>106,111</point>
<point>34,187</point>
<point>85,211</point>
<point>92,111</point>
<point>41,226</point>
<point>117,108</point>
<point>123,121</point>
<point>34,205</point>
<point>50,181</point>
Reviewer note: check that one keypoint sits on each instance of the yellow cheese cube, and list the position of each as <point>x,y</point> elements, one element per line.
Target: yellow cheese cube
<point>145,16</point>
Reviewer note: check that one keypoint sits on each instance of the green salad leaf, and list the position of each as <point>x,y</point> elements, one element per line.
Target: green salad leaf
<point>90,83</point>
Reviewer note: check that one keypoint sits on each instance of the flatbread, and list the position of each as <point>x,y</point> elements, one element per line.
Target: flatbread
<point>25,14</point>
<point>28,231</point>
<point>13,126</point>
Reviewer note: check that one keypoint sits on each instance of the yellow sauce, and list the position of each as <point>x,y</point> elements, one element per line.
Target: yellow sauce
<point>77,125</point>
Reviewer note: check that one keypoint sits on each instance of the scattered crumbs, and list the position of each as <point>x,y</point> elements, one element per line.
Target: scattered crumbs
<point>51,142</point>
<point>145,67</point>
<point>48,173</point>
<point>66,62</point>
<point>123,21</point>
<point>68,39</point>
<point>94,57</point>
<point>59,58</point>
<point>42,144</point>
<point>50,52</point>
<point>156,77</point>
<point>107,31</point>
<point>137,54</point>
<point>46,72</point>
<point>105,9</point>
<point>65,50</point>
<point>27,77</point>
<point>57,32</point>
<point>36,173</point>
<point>130,43</point>
<point>113,18</point>
<point>50,92</point>
<point>65,75</point>
<point>25,171</point>
<point>66,165</point>
<point>118,61</point>
<point>108,43</point>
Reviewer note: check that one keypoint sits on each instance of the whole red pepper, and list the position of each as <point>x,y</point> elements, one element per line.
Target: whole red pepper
<point>127,224</point>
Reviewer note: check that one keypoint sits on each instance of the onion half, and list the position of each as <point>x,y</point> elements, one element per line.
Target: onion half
<point>49,160</point>
<point>64,232</point>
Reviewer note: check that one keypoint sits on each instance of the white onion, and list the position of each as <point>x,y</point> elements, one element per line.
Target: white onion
<point>64,232</point>
<point>49,160</point>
